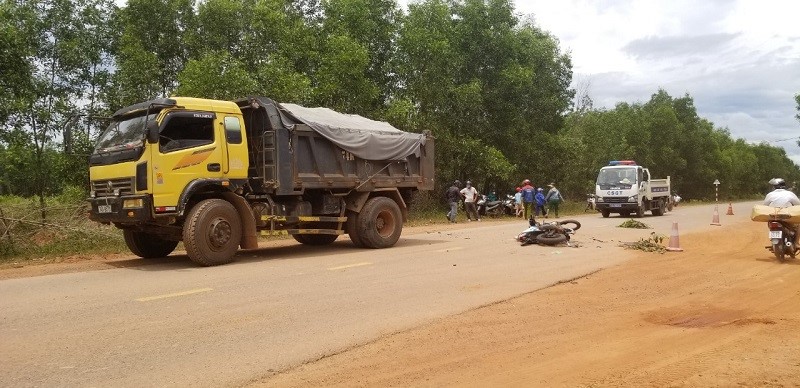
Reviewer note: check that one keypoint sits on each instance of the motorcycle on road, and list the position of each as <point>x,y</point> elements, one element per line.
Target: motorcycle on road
<point>782,224</point>
<point>782,238</point>
<point>549,233</point>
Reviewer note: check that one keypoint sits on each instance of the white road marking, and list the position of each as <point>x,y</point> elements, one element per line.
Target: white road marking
<point>183,293</point>
<point>449,249</point>
<point>350,266</point>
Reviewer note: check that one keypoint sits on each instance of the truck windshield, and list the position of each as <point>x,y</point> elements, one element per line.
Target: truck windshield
<point>124,134</point>
<point>623,178</point>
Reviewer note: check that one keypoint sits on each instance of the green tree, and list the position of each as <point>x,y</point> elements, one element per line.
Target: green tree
<point>158,38</point>
<point>216,75</point>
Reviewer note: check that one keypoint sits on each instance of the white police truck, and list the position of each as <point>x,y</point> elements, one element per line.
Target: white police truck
<point>625,188</point>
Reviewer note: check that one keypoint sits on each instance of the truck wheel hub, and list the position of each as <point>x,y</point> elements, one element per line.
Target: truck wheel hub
<point>219,233</point>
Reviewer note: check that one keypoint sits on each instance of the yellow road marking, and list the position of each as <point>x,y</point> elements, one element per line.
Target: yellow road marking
<point>350,266</point>
<point>450,249</point>
<point>183,293</point>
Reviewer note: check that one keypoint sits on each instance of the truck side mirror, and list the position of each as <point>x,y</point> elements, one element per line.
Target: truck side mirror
<point>152,132</point>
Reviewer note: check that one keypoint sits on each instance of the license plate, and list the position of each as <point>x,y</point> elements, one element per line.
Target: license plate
<point>107,209</point>
<point>616,205</point>
<point>775,234</point>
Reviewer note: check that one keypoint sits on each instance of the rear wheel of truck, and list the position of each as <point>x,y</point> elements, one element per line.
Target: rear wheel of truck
<point>380,223</point>
<point>605,213</point>
<point>212,232</point>
<point>146,245</point>
<point>658,211</point>
<point>352,229</point>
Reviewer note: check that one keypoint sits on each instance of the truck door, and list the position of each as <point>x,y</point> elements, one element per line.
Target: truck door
<point>188,149</point>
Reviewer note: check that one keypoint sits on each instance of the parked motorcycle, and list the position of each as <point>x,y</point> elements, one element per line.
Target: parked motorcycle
<point>495,208</point>
<point>781,236</point>
<point>549,233</point>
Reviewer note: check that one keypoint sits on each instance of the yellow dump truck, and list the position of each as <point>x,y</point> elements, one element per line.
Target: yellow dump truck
<point>216,174</point>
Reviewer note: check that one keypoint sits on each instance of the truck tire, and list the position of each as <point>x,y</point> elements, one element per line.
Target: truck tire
<point>640,211</point>
<point>605,213</point>
<point>315,239</point>
<point>380,223</point>
<point>352,229</point>
<point>658,211</point>
<point>148,246</point>
<point>212,232</point>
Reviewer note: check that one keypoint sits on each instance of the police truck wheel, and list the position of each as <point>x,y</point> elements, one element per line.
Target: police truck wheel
<point>605,213</point>
<point>148,246</point>
<point>659,211</point>
<point>640,211</point>
<point>212,232</point>
<point>380,223</point>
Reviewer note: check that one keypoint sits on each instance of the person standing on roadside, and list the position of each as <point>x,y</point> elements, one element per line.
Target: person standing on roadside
<point>553,199</point>
<point>470,195</point>
<point>540,203</point>
<point>528,198</point>
<point>453,195</point>
<point>518,202</point>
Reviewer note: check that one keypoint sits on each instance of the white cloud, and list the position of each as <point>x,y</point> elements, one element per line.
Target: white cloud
<point>738,60</point>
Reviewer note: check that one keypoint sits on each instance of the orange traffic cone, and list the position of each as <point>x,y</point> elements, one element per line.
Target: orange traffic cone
<point>715,219</point>
<point>674,240</point>
<point>730,209</point>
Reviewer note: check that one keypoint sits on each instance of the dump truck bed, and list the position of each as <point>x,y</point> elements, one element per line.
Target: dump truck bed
<point>292,150</point>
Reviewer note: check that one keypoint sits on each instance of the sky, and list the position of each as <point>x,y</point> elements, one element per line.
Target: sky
<point>738,60</point>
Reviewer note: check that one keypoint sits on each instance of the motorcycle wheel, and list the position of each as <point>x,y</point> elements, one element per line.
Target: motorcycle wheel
<point>551,239</point>
<point>575,222</point>
<point>778,250</point>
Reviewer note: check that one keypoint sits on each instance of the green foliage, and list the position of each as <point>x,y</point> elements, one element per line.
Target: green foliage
<point>654,243</point>
<point>633,224</point>
<point>216,75</point>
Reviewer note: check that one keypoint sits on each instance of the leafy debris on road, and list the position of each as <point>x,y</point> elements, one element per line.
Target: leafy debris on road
<point>634,224</point>
<point>654,243</point>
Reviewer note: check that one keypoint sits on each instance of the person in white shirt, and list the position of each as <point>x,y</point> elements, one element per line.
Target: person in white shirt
<point>470,195</point>
<point>780,197</point>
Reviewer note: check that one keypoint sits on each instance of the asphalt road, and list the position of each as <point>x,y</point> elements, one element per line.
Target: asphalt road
<point>170,323</point>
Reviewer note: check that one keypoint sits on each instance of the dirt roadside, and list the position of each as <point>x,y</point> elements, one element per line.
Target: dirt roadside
<point>722,313</point>
<point>98,262</point>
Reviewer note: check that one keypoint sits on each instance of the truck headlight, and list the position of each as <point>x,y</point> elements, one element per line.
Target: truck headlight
<point>633,198</point>
<point>599,199</point>
<point>132,203</point>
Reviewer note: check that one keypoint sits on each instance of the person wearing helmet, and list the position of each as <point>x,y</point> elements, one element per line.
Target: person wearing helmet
<point>453,195</point>
<point>780,197</point>
<point>470,195</point>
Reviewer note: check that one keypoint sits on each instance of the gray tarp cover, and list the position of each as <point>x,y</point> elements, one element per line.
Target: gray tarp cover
<point>365,138</point>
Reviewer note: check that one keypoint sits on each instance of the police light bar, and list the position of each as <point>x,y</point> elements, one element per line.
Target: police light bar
<point>622,163</point>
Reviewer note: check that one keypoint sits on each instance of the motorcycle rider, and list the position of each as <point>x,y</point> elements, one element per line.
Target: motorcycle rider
<point>780,197</point>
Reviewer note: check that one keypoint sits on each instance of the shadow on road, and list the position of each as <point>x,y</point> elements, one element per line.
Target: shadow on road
<point>291,251</point>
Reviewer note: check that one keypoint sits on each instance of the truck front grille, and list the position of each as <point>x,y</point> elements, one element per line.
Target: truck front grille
<point>106,187</point>
<point>615,199</point>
